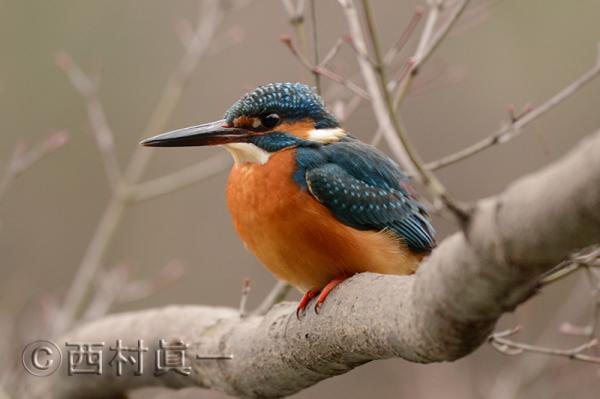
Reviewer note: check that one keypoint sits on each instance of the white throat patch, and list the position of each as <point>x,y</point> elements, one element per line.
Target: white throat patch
<point>247,152</point>
<point>326,135</point>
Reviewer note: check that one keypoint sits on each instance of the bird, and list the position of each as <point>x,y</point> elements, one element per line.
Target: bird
<point>312,202</point>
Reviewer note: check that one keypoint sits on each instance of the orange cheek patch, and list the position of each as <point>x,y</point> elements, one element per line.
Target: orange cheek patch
<point>243,121</point>
<point>298,128</point>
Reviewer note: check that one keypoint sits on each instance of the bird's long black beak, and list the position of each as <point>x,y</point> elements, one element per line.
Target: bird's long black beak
<point>213,133</point>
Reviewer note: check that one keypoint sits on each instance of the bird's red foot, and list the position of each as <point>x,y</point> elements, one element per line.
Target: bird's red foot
<point>326,290</point>
<point>308,295</point>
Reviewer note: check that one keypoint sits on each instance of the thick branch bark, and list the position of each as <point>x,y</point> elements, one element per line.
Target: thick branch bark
<point>442,313</point>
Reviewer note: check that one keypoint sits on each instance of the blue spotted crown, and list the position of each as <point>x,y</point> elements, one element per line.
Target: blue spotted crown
<point>292,101</point>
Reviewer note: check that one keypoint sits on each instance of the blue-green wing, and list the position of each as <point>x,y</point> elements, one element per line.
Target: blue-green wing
<point>381,203</point>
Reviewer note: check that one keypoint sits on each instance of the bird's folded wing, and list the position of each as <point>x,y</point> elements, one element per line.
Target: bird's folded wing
<point>368,207</point>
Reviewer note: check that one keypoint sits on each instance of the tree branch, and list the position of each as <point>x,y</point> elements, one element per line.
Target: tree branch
<point>516,125</point>
<point>101,130</point>
<point>320,69</point>
<point>23,158</point>
<point>180,179</point>
<point>502,344</point>
<point>277,294</point>
<point>442,313</point>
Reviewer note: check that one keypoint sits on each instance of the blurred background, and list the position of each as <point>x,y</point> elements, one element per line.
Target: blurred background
<point>181,248</point>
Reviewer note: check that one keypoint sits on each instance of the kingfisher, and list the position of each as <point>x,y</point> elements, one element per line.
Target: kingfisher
<point>312,202</point>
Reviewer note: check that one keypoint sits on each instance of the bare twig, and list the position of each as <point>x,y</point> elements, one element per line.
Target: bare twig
<point>332,53</point>
<point>315,39</point>
<point>350,85</point>
<point>141,289</point>
<point>180,179</point>
<point>103,134</point>
<point>322,70</point>
<point>514,378</point>
<point>476,15</point>
<point>405,36</point>
<point>588,257</point>
<point>244,297</point>
<point>23,158</point>
<point>295,15</point>
<point>435,9</point>
<point>342,110</point>
<point>277,294</point>
<point>108,289</point>
<point>507,346</point>
<point>441,75</point>
<point>430,40</point>
<point>515,127</point>
<point>359,51</point>
<point>594,281</point>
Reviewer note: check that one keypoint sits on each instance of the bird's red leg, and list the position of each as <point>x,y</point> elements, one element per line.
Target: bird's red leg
<point>308,295</point>
<point>326,290</point>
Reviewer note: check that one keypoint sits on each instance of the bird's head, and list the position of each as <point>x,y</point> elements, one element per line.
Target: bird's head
<point>271,118</point>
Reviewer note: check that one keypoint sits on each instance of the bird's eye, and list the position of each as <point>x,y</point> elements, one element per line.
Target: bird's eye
<point>270,121</point>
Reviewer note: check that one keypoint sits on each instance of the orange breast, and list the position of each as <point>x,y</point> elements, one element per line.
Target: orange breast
<point>296,237</point>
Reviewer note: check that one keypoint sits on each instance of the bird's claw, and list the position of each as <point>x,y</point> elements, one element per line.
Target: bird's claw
<point>308,295</point>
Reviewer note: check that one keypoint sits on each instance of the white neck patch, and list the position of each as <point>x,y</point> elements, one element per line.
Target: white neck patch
<point>326,135</point>
<point>247,152</point>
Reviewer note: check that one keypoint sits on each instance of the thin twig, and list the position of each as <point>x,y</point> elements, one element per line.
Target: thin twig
<point>22,159</point>
<point>244,298</point>
<point>359,51</point>
<point>404,37</point>
<point>441,75</point>
<point>315,37</point>
<point>587,257</point>
<point>144,288</point>
<point>435,9</point>
<point>594,282</point>
<point>322,70</point>
<point>430,40</point>
<point>180,179</point>
<point>502,344</point>
<point>332,52</point>
<point>440,34</point>
<point>108,289</point>
<point>277,294</point>
<point>342,110</point>
<point>475,16</point>
<point>562,272</point>
<point>296,19</point>
<point>103,134</point>
<point>515,127</point>
<point>350,85</point>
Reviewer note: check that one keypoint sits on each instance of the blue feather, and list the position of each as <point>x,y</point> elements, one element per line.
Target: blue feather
<point>364,189</point>
<point>292,101</point>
